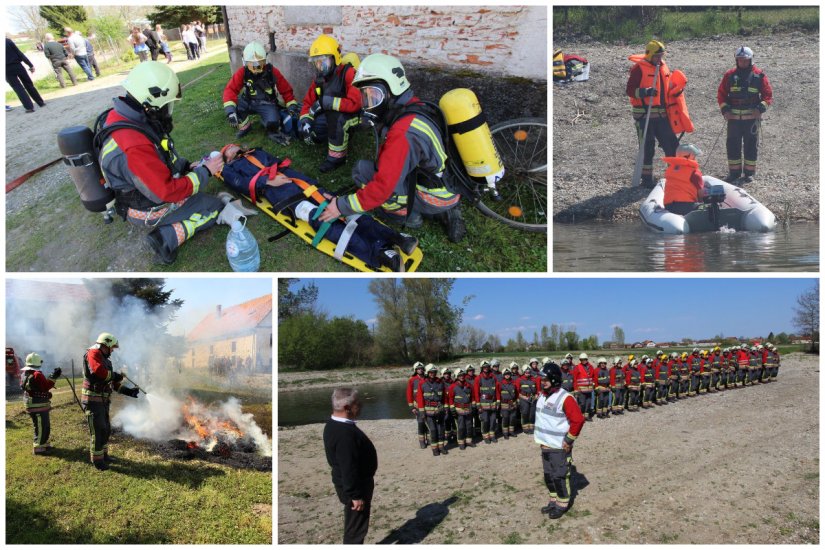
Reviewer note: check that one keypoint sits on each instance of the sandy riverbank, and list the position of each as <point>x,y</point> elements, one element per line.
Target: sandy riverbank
<point>740,466</point>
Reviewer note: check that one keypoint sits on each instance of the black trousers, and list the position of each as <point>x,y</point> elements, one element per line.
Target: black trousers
<point>742,134</point>
<point>42,430</point>
<point>100,429</point>
<point>356,524</point>
<point>556,466</point>
<point>18,78</point>
<point>657,130</point>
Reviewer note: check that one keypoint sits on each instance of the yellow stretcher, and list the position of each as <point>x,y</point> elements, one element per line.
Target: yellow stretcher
<point>307,233</point>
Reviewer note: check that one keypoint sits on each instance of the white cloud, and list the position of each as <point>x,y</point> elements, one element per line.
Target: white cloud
<point>478,317</point>
<point>371,321</point>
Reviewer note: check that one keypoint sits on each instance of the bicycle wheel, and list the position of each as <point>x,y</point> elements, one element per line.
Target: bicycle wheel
<point>522,192</point>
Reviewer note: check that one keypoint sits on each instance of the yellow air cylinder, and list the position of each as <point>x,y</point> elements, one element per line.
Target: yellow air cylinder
<point>471,135</point>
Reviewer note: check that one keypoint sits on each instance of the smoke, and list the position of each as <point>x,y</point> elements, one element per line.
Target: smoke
<point>232,409</point>
<point>155,416</point>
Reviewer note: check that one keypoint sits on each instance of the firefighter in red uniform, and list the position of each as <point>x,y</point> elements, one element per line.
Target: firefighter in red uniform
<point>646,94</point>
<point>583,385</point>
<point>774,362</point>
<point>412,392</point>
<point>528,389</point>
<point>475,426</point>
<point>99,381</point>
<point>764,353</point>
<point>705,372</point>
<point>673,368</point>
<point>432,399</point>
<point>38,400</point>
<point>661,372</point>
<point>516,417</point>
<point>254,89</point>
<point>449,419</point>
<point>154,187</point>
<point>743,362</point>
<point>410,179</point>
<point>332,104</point>
<point>715,369</point>
<point>602,380</point>
<point>633,380</point>
<point>487,398</point>
<point>460,401</point>
<point>508,393</point>
<point>558,423</point>
<point>617,386</point>
<point>695,366</point>
<point>684,186</point>
<point>743,96</point>
<point>648,382</point>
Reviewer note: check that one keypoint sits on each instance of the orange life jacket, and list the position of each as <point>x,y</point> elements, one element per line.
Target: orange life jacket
<point>678,187</point>
<point>648,71</point>
<point>674,83</point>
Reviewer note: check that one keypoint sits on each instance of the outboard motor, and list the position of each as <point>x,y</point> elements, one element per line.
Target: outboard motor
<point>75,144</point>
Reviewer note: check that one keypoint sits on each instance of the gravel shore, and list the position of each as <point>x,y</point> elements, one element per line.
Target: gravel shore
<point>594,142</point>
<point>739,466</point>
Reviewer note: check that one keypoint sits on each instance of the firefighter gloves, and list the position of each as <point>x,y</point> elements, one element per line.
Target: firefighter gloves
<point>56,374</point>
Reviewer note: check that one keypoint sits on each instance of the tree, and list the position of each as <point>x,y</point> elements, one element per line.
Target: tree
<point>806,315</point>
<point>390,332</point>
<point>618,335</point>
<point>555,336</point>
<point>64,16</point>
<point>771,338</point>
<point>471,338</point>
<point>294,303</point>
<point>29,19</point>
<point>175,16</point>
<point>493,344</point>
<point>432,322</point>
<point>521,343</point>
<point>783,338</point>
<point>571,340</point>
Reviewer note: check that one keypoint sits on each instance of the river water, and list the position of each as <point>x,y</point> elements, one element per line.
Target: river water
<point>311,406</point>
<point>629,246</point>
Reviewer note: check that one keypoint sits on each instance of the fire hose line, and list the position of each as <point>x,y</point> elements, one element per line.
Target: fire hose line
<point>17,182</point>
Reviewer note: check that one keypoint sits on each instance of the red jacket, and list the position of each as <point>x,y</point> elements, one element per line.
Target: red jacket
<point>144,165</point>
<point>617,373</point>
<point>657,369</point>
<point>742,358</point>
<point>574,417</point>
<point>477,386</point>
<point>39,383</point>
<point>583,377</point>
<point>764,93</point>
<point>236,85</point>
<point>412,389</point>
<point>350,102</point>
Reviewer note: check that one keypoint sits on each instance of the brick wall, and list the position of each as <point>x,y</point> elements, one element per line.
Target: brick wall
<point>501,40</point>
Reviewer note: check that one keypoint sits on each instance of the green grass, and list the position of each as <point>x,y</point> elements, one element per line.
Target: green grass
<point>512,538</point>
<point>637,25</point>
<point>201,127</point>
<point>143,499</point>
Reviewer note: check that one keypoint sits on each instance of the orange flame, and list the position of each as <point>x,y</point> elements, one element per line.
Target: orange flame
<point>207,424</point>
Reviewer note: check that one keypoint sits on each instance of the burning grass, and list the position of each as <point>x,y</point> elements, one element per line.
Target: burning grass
<point>188,496</point>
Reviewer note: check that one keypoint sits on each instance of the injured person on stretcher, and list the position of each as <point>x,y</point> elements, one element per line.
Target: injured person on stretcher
<point>258,174</point>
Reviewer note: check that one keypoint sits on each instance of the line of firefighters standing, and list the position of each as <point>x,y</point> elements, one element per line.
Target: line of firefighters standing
<point>499,403</point>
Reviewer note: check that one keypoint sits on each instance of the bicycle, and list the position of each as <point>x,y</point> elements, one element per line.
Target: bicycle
<point>519,199</point>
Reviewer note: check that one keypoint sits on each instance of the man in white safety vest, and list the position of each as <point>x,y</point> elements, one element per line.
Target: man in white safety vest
<point>558,423</point>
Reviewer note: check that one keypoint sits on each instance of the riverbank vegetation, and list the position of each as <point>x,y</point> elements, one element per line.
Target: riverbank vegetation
<point>420,320</point>
<point>638,23</point>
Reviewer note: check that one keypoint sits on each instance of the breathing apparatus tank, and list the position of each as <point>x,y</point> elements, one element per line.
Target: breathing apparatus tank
<point>75,144</point>
<point>471,134</point>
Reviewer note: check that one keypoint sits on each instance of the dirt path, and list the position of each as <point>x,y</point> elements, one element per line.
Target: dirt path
<point>31,138</point>
<point>734,467</point>
<point>594,144</point>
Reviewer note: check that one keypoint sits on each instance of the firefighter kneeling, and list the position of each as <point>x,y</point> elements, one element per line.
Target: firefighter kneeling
<point>99,381</point>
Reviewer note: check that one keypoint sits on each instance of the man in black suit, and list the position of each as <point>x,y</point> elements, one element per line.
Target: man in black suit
<point>354,461</point>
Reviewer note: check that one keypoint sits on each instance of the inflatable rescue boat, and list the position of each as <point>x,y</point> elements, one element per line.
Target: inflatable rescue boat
<point>736,209</point>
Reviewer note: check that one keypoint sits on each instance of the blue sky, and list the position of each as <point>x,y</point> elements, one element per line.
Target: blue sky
<point>656,309</point>
<point>200,296</point>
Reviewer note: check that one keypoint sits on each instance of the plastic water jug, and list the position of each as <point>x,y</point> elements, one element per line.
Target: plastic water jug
<point>242,249</point>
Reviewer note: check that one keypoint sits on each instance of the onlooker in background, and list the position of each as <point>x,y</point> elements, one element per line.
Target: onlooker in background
<point>188,36</point>
<point>90,53</point>
<point>56,54</point>
<point>77,47</point>
<point>354,462</point>
<point>152,42</point>
<point>138,42</point>
<point>17,78</point>
<point>200,34</point>
<point>164,44</point>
